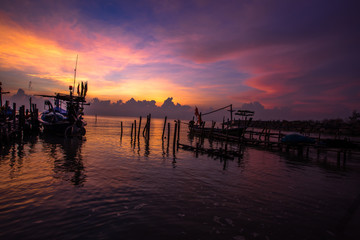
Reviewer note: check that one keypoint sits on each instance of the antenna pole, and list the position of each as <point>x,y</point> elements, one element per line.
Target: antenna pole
<point>75,72</point>
<point>1,93</point>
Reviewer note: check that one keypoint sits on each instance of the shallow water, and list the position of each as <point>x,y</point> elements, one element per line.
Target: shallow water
<point>110,187</point>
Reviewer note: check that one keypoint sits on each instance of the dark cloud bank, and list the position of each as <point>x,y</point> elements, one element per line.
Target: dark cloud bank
<point>133,108</point>
<point>136,108</point>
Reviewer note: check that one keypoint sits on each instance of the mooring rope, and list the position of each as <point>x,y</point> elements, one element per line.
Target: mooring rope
<point>216,110</point>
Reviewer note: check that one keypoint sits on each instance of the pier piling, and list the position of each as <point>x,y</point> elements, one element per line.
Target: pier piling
<point>138,135</point>
<point>148,131</point>
<point>175,130</point>
<point>162,137</point>
<point>132,129</point>
<point>168,139</point>
<point>121,127</point>
<point>135,130</point>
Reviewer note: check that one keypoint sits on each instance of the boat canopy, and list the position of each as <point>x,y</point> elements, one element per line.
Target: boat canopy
<point>65,97</point>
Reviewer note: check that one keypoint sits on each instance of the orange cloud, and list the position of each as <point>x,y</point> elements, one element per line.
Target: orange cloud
<point>52,56</point>
<point>45,57</point>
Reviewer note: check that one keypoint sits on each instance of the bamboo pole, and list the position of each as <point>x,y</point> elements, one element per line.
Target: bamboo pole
<point>148,131</point>
<point>162,137</point>
<point>121,126</point>
<point>138,136</point>
<point>178,135</point>
<point>22,117</point>
<point>168,140</point>
<point>212,128</point>
<point>36,117</point>
<point>175,130</point>
<point>14,114</point>
<point>132,129</point>
<point>146,126</point>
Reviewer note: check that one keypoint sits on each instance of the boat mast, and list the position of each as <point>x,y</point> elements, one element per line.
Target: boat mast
<point>75,72</point>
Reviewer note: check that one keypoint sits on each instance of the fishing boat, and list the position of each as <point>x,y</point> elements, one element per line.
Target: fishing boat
<point>297,138</point>
<point>69,121</point>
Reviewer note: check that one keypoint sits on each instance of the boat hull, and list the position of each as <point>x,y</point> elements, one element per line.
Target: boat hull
<point>57,127</point>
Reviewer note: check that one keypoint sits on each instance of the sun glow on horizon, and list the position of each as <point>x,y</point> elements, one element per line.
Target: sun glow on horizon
<point>147,54</point>
<point>42,58</point>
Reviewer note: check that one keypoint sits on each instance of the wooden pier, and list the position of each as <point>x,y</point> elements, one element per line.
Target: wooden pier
<point>270,139</point>
<point>14,123</point>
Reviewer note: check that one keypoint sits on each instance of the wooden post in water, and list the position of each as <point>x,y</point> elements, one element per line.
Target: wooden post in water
<point>35,117</point>
<point>175,130</point>
<point>202,128</point>
<point>1,93</point>
<point>197,150</point>
<point>178,135</point>
<point>22,117</point>
<point>168,139</point>
<point>162,137</point>
<point>148,131</point>
<point>132,129</point>
<point>30,104</point>
<point>212,128</point>
<point>14,114</point>
<point>146,124</point>
<point>95,118</point>
<point>121,127</point>
<point>138,135</point>
<point>135,130</point>
<point>147,127</point>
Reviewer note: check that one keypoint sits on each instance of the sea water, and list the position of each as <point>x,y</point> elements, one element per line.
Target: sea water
<point>109,186</point>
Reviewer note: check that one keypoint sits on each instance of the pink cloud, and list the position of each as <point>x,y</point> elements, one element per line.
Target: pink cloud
<point>296,55</point>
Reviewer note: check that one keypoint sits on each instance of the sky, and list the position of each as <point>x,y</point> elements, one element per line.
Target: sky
<point>284,59</point>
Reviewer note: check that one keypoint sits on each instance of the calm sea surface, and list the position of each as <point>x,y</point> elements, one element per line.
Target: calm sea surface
<point>107,187</point>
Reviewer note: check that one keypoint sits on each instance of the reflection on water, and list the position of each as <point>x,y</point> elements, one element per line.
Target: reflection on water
<point>107,186</point>
<point>67,158</point>
<point>63,154</point>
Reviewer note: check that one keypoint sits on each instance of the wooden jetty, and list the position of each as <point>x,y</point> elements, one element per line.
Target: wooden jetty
<point>14,122</point>
<point>266,136</point>
<point>271,140</point>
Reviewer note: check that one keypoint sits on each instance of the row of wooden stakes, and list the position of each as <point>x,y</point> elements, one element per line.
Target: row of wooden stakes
<point>19,123</point>
<point>136,130</point>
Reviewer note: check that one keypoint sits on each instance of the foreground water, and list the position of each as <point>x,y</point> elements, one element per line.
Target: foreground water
<point>107,187</point>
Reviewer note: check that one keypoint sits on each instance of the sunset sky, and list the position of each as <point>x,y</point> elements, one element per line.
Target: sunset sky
<point>296,55</point>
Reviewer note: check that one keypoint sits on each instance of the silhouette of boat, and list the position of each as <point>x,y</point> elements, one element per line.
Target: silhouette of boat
<point>69,121</point>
